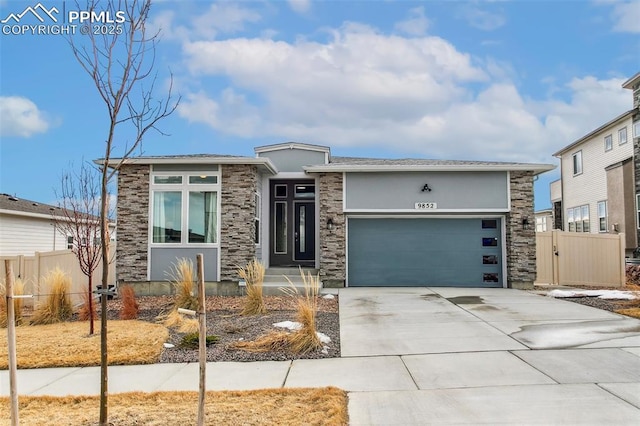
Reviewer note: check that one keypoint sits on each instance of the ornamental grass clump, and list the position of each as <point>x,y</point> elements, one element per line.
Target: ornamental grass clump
<point>57,306</point>
<point>130,306</point>
<point>182,278</point>
<point>18,289</point>
<point>302,340</point>
<point>253,275</point>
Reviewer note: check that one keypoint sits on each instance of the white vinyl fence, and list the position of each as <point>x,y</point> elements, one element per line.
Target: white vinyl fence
<point>32,269</point>
<point>580,259</point>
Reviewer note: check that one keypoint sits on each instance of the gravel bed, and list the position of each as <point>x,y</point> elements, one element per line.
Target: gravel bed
<point>225,321</point>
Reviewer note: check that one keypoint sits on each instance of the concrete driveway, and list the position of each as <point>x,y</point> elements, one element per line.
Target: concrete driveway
<point>472,356</point>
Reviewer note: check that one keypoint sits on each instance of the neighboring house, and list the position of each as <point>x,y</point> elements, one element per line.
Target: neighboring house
<point>597,191</point>
<point>544,220</point>
<point>27,227</point>
<point>358,221</point>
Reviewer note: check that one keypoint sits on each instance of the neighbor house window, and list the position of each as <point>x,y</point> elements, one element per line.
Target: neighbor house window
<point>622,136</point>
<point>69,242</point>
<point>184,209</point>
<point>638,210</point>
<point>577,163</point>
<point>608,143</point>
<point>578,219</point>
<point>541,224</point>
<point>636,129</point>
<point>602,216</point>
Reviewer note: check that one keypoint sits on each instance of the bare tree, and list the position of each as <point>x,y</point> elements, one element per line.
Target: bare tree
<point>78,218</point>
<point>121,66</point>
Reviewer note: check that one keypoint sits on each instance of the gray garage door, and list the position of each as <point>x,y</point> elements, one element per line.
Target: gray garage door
<point>424,252</point>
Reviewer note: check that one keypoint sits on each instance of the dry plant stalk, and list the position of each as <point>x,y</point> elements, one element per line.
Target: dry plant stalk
<point>18,289</point>
<point>57,306</point>
<point>182,278</point>
<point>189,325</point>
<point>300,341</point>
<point>130,306</point>
<point>253,275</point>
<point>83,313</point>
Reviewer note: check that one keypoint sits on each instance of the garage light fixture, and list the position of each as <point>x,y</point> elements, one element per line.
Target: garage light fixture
<point>525,222</point>
<point>426,188</point>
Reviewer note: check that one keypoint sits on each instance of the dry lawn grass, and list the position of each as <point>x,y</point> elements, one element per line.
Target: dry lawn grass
<point>322,406</point>
<point>68,344</point>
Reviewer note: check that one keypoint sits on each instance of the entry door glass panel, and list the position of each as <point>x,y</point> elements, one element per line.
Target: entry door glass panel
<point>304,231</point>
<point>280,226</point>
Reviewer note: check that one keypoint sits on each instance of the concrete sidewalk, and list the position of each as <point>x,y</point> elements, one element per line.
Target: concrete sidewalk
<point>431,355</point>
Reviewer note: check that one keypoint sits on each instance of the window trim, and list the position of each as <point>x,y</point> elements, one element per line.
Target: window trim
<point>626,138</point>
<point>608,142</point>
<point>605,216</point>
<point>576,160</point>
<point>258,219</point>
<point>185,188</point>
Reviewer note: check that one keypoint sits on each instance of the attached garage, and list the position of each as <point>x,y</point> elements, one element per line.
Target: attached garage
<point>397,251</point>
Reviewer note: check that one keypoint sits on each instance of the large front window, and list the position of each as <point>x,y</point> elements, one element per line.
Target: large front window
<point>184,209</point>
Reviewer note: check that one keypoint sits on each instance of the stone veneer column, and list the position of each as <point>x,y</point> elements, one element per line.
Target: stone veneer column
<point>521,243</point>
<point>636,172</point>
<point>132,223</point>
<point>237,229</point>
<point>332,243</point>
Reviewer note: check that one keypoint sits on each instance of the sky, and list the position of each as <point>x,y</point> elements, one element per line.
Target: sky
<point>458,80</point>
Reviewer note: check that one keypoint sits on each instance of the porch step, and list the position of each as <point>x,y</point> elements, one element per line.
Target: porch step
<point>274,280</point>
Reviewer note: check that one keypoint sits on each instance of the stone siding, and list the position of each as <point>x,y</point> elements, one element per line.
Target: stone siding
<point>521,243</point>
<point>132,223</point>
<point>237,230</point>
<point>636,168</point>
<point>332,243</point>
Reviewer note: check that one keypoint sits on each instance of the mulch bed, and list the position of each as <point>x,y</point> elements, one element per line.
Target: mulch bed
<point>225,321</point>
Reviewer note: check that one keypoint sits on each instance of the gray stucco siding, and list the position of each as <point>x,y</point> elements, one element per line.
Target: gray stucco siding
<point>451,191</point>
<point>293,160</point>
<point>163,260</point>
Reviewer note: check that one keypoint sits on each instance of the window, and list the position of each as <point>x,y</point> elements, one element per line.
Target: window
<point>578,219</point>
<point>608,143</point>
<point>638,210</point>
<point>622,136</point>
<point>602,216</point>
<point>541,224</point>
<point>636,129</point>
<point>257,219</point>
<point>577,163</point>
<point>184,209</point>
<point>70,242</point>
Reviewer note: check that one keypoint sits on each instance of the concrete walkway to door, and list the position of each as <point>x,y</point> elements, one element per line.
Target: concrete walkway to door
<point>473,356</point>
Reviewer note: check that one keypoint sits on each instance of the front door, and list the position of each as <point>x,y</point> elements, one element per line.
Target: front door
<point>293,223</point>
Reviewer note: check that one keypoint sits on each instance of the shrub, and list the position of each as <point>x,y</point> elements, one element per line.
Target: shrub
<point>192,340</point>
<point>182,279</point>
<point>130,307</point>
<point>633,274</point>
<point>253,275</point>
<point>18,289</point>
<point>57,306</point>
<point>83,312</point>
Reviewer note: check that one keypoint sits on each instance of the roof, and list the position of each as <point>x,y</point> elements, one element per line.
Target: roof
<point>292,145</point>
<point>10,204</point>
<point>356,164</point>
<point>594,132</point>
<point>633,81</point>
<point>195,159</point>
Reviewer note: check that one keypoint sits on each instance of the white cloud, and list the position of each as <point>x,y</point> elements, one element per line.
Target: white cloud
<point>481,19</point>
<point>417,23</point>
<point>21,117</point>
<point>219,18</point>
<point>626,16</point>
<point>300,6</point>
<point>420,95</point>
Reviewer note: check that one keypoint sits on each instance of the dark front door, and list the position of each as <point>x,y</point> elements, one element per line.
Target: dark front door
<point>292,223</point>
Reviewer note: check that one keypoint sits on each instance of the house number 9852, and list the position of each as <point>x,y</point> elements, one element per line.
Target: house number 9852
<point>426,206</point>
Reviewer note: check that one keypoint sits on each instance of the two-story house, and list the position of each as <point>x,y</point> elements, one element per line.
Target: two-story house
<point>597,191</point>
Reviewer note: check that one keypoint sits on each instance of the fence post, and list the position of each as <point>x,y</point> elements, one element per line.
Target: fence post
<point>623,269</point>
<point>555,261</point>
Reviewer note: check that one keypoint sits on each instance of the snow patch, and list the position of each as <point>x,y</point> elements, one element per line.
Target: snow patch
<point>601,294</point>
<point>291,325</point>
<point>169,345</point>
<point>328,296</point>
<point>323,337</point>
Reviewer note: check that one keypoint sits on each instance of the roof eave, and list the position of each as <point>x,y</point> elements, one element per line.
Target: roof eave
<point>536,168</point>
<point>632,81</point>
<point>264,162</point>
